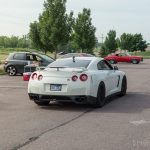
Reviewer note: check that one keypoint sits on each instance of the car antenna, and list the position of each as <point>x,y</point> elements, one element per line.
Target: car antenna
<point>73,58</point>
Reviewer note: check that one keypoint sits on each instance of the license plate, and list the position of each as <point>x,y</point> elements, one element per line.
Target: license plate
<point>55,87</point>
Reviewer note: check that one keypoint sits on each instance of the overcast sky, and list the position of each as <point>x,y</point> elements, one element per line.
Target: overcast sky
<point>130,16</point>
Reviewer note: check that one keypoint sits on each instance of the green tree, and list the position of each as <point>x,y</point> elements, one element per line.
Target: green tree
<point>103,51</point>
<point>2,41</point>
<point>54,27</point>
<point>126,41</point>
<point>84,32</point>
<point>24,42</point>
<point>110,41</point>
<point>34,35</point>
<point>70,47</point>
<point>138,43</point>
<point>13,41</point>
<point>132,42</point>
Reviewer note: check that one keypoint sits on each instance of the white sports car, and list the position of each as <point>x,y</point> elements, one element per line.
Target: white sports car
<point>78,79</point>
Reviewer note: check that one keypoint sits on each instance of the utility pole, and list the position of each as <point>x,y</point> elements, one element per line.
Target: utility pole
<point>102,37</point>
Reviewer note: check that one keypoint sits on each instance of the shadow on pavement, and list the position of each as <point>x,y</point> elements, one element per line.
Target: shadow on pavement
<point>72,107</point>
<point>131,103</point>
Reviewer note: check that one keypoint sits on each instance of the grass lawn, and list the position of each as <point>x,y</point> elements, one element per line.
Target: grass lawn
<point>145,55</point>
<point>2,72</point>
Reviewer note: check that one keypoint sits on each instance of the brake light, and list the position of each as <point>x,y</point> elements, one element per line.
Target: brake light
<point>74,78</point>
<point>40,77</point>
<point>83,77</point>
<point>34,76</point>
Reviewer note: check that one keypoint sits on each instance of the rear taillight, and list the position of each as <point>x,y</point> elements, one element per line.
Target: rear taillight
<point>34,76</point>
<point>74,78</point>
<point>83,77</point>
<point>40,77</point>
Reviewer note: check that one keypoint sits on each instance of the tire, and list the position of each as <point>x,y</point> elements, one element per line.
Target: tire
<point>41,103</point>
<point>100,100</point>
<point>112,61</point>
<point>11,71</point>
<point>134,61</point>
<point>123,86</point>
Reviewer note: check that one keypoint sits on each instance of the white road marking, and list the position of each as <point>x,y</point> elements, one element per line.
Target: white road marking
<point>13,87</point>
<point>139,122</point>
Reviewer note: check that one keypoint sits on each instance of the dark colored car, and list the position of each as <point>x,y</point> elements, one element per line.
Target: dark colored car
<point>123,57</point>
<point>16,61</point>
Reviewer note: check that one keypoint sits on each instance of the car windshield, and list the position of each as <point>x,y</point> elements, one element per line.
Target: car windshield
<point>124,54</point>
<point>70,63</point>
<point>46,57</point>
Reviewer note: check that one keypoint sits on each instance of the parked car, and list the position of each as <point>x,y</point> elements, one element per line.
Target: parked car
<point>76,55</point>
<point>29,69</point>
<point>123,57</point>
<point>77,79</point>
<point>16,61</point>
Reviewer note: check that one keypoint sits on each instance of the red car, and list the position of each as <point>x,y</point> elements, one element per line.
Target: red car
<point>123,57</point>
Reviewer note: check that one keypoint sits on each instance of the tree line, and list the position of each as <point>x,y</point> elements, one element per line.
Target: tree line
<point>15,42</point>
<point>129,42</point>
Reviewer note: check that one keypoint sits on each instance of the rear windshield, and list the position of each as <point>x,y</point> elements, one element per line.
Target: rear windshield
<point>70,63</point>
<point>77,55</point>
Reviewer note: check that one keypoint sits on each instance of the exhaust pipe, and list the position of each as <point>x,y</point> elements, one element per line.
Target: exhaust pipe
<point>36,97</point>
<point>80,99</point>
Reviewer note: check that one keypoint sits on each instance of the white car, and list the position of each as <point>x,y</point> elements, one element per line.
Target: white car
<point>78,79</point>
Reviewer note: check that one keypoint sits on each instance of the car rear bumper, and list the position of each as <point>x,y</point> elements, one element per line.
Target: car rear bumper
<point>78,99</point>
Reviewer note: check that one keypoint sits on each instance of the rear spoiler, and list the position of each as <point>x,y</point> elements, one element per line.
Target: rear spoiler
<point>81,69</point>
<point>57,68</point>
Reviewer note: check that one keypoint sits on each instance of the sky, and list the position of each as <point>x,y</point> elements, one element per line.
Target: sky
<point>129,16</point>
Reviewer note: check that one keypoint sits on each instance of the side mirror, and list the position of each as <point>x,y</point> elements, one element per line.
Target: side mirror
<point>116,68</point>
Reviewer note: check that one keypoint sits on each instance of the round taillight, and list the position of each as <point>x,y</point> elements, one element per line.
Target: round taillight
<point>83,77</point>
<point>34,76</point>
<point>40,77</point>
<point>74,78</point>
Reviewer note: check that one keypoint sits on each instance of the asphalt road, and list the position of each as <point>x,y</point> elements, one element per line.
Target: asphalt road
<point>123,124</point>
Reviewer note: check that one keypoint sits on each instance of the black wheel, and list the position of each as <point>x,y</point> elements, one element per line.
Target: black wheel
<point>134,61</point>
<point>100,101</point>
<point>11,71</point>
<point>112,61</point>
<point>123,86</point>
<point>41,103</point>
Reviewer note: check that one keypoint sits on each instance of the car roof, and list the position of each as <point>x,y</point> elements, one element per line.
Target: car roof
<point>77,55</point>
<point>83,58</point>
<point>28,53</point>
